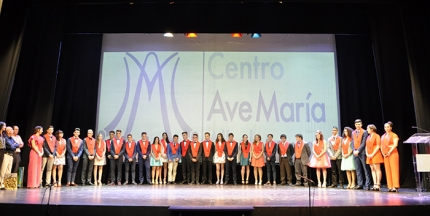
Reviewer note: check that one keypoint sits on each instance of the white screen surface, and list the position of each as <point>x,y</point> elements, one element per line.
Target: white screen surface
<point>277,84</point>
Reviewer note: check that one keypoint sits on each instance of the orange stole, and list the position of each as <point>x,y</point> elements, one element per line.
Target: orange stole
<point>231,147</point>
<point>270,150</point>
<point>297,150</point>
<point>372,142</point>
<point>185,149</point>
<point>100,148</point>
<point>258,148</point>
<point>130,149</point>
<point>163,142</point>
<point>90,144</point>
<point>174,147</point>
<point>195,150</point>
<point>108,144</point>
<point>345,145</point>
<point>156,151</point>
<point>61,146</point>
<point>318,147</point>
<point>387,141</point>
<point>336,142</point>
<point>75,145</point>
<point>51,144</point>
<point>283,148</point>
<point>357,140</point>
<point>245,149</point>
<point>207,150</point>
<point>219,149</point>
<point>144,146</point>
<point>117,147</point>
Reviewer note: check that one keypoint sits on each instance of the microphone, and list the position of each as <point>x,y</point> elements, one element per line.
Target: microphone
<point>420,129</point>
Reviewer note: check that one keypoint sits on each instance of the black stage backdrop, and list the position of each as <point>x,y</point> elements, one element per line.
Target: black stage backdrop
<point>374,82</point>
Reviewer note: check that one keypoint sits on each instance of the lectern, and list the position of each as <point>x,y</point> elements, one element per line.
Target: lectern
<point>414,140</point>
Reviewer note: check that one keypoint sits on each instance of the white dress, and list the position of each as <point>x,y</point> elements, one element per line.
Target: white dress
<point>61,160</point>
<point>216,158</point>
<point>164,160</point>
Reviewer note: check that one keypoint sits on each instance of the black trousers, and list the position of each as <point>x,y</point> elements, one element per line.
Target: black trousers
<point>271,169</point>
<point>106,171</point>
<point>336,171</point>
<point>16,161</point>
<point>144,163</point>
<point>87,163</point>
<point>133,169</point>
<point>72,166</point>
<point>230,165</point>
<point>195,171</point>
<point>118,164</point>
<point>207,170</point>
<point>185,164</point>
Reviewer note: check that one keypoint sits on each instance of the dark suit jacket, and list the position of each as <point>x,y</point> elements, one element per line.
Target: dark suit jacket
<point>275,149</point>
<point>199,153</point>
<point>234,154</point>
<point>306,153</point>
<point>290,152</point>
<point>47,149</point>
<point>211,153</point>
<point>362,144</point>
<point>112,148</point>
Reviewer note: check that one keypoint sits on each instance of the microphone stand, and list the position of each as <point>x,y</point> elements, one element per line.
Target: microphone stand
<point>49,197</point>
<point>309,186</point>
<point>415,127</point>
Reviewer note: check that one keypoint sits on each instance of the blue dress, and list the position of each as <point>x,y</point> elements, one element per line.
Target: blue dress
<point>154,162</point>
<point>244,161</point>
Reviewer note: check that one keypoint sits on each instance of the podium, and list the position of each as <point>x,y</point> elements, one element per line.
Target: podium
<point>419,160</point>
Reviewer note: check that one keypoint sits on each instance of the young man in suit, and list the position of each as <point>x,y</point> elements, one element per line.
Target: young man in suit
<point>49,150</point>
<point>185,160</point>
<point>194,154</point>
<point>74,151</point>
<point>173,156</point>
<point>286,151</point>
<point>301,157</point>
<point>143,151</point>
<point>130,159</point>
<point>116,151</point>
<point>106,168</point>
<point>271,148</point>
<point>207,158</point>
<point>359,136</point>
<point>334,150</point>
<point>88,158</point>
<point>230,151</point>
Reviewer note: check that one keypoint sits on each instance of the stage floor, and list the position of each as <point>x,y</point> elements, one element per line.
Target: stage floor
<point>213,196</point>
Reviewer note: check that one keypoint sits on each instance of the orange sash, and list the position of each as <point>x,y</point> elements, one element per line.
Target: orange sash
<point>230,147</point>
<point>163,142</point>
<point>270,150</point>
<point>100,148</point>
<point>61,146</point>
<point>51,144</point>
<point>357,140</point>
<point>144,146</point>
<point>156,151</point>
<point>174,147</point>
<point>117,146</point>
<point>345,145</point>
<point>185,147</point>
<point>283,148</point>
<point>219,149</point>
<point>195,150</point>
<point>318,147</point>
<point>336,142</point>
<point>245,149</point>
<point>108,144</point>
<point>90,145</point>
<point>130,149</point>
<point>298,150</point>
<point>207,150</point>
<point>75,145</point>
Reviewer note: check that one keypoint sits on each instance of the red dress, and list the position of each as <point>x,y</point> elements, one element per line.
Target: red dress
<point>372,142</point>
<point>34,163</point>
<point>257,149</point>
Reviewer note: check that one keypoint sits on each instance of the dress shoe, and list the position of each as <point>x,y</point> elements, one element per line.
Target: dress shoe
<point>305,185</point>
<point>290,184</point>
<point>197,183</point>
<point>333,186</point>
<point>90,183</point>
<point>141,183</point>
<point>210,182</point>
<point>68,184</point>
<point>134,183</point>
<point>368,188</point>
<point>226,182</point>
<point>283,183</point>
<point>126,183</point>
<point>184,182</point>
<point>235,183</point>
<point>191,183</point>
<point>298,184</point>
<point>111,184</point>
<point>83,184</point>
<point>203,182</point>
<point>73,184</point>
<point>119,183</point>
<point>358,187</point>
<point>341,186</point>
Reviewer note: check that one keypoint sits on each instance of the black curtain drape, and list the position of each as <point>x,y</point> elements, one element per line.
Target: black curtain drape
<point>12,25</point>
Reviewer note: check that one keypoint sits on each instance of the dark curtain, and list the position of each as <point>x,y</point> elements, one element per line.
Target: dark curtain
<point>12,25</point>
<point>77,86</point>
<point>31,100</point>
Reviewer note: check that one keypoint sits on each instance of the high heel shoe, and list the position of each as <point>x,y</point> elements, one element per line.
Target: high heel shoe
<point>324,185</point>
<point>217,182</point>
<point>319,184</point>
<point>246,182</point>
<point>348,187</point>
<point>352,186</point>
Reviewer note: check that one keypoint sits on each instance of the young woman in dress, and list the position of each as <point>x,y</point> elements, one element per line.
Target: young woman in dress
<point>389,142</point>
<point>219,157</point>
<point>156,163</point>
<point>60,158</point>
<point>257,159</point>
<point>164,160</point>
<point>348,164</point>
<point>100,159</point>
<point>35,158</point>
<point>244,158</point>
<point>374,156</point>
<point>320,159</point>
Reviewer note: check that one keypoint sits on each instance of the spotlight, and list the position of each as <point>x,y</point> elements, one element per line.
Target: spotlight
<point>256,35</point>
<point>168,34</point>
<point>236,35</point>
<point>190,35</point>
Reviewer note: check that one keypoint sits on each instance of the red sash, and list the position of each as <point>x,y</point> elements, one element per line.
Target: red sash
<point>51,144</point>
<point>270,150</point>
<point>357,140</point>
<point>387,141</point>
<point>185,149</point>
<point>195,150</point>
<point>245,150</point>
<point>230,147</point>
<point>61,146</point>
<point>130,149</point>
<point>174,147</point>
<point>258,148</point>
<point>318,147</point>
<point>163,142</point>
<point>100,148</point>
<point>207,150</point>
<point>345,146</point>
<point>108,144</point>
<point>219,149</point>
<point>75,145</point>
<point>336,142</point>
<point>156,151</point>
<point>90,145</point>
<point>117,146</point>
<point>143,146</point>
<point>297,150</point>
<point>283,148</point>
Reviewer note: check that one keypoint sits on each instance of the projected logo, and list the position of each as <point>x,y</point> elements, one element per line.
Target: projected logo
<point>205,91</point>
